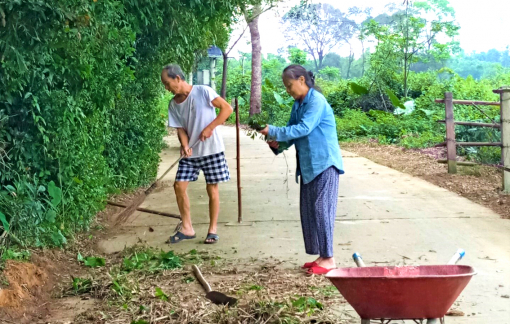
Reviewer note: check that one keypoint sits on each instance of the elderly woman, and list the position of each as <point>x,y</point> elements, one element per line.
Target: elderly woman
<point>312,130</point>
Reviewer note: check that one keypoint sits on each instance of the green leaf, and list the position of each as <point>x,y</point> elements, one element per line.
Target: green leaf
<point>256,288</point>
<point>80,257</point>
<point>51,215</point>
<point>161,295</point>
<point>82,286</point>
<point>278,98</point>
<point>55,194</point>
<point>4,221</point>
<point>189,280</point>
<point>394,100</point>
<point>94,262</point>
<point>139,322</point>
<point>428,112</point>
<point>357,89</point>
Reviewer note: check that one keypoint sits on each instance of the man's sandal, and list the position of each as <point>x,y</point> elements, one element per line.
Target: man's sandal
<point>213,237</point>
<point>177,237</point>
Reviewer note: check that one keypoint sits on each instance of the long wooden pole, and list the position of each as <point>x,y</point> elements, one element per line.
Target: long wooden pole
<point>505,136</point>
<point>469,102</point>
<point>238,144</point>
<point>451,148</point>
<point>474,124</point>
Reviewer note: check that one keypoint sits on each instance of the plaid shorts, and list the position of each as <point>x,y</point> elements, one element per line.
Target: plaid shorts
<point>214,166</point>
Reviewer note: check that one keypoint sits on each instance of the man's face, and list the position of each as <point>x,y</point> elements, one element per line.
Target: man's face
<point>172,85</point>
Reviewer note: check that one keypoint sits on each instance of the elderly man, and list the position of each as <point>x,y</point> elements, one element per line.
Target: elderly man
<point>192,112</point>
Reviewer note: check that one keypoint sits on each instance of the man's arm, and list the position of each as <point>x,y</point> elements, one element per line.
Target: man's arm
<point>186,151</point>
<point>225,112</point>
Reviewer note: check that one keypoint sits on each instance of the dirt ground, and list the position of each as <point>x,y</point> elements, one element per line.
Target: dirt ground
<point>269,291</point>
<point>480,184</point>
<point>42,290</point>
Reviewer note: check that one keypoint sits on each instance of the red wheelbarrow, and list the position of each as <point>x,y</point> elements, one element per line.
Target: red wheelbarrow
<point>418,293</point>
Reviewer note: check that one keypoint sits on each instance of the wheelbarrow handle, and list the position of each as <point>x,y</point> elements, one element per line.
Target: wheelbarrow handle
<point>455,258</point>
<point>358,259</point>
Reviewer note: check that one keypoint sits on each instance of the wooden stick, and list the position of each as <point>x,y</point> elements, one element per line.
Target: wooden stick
<point>201,279</point>
<point>473,124</point>
<point>238,144</point>
<point>145,210</point>
<point>479,144</point>
<point>469,102</point>
<point>124,215</point>
<point>459,163</point>
<point>474,163</point>
<point>451,149</point>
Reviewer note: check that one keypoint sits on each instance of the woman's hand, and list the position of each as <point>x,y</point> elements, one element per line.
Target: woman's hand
<point>186,151</point>
<point>273,144</point>
<point>265,131</point>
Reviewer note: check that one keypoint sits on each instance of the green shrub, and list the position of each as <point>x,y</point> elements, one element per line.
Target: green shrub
<point>354,124</point>
<point>80,106</point>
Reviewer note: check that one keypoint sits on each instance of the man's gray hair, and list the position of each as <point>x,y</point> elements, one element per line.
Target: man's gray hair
<point>174,70</point>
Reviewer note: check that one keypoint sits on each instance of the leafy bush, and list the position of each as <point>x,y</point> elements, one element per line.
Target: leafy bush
<point>79,107</point>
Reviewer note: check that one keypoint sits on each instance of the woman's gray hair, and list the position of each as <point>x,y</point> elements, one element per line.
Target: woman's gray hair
<point>173,71</point>
<point>295,71</point>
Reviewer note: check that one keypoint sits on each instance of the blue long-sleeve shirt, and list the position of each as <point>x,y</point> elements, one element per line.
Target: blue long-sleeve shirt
<point>312,129</point>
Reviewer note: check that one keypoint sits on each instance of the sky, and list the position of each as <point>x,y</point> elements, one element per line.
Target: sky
<point>484,24</point>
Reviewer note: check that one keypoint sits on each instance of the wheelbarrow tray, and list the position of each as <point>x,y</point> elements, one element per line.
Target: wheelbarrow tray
<point>420,292</point>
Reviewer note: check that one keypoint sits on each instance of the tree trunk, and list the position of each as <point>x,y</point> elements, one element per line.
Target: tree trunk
<point>351,59</point>
<point>405,75</point>
<point>223,92</point>
<point>321,59</point>
<point>256,62</point>
<point>363,67</point>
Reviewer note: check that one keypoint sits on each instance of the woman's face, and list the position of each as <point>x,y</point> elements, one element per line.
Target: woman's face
<point>296,88</point>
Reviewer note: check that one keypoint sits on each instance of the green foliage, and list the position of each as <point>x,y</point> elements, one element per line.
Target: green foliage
<point>91,262</point>
<point>297,56</point>
<point>256,288</point>
<point>160,294</point>
<point>330,73</point>
<point>81,286</point>
<point>357,89</point>
<point>408,34</point>
<point>151,261</point>
<point>16,254</point>
<point>307,305</point>
<point>79,111</point>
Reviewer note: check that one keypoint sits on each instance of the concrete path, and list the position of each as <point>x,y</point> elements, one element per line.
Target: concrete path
<point>389,217</point>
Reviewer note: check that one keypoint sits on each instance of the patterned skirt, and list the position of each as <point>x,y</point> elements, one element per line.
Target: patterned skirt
<point>318,203</point>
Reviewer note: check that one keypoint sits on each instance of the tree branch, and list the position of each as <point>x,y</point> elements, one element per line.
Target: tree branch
<point>238,39</point>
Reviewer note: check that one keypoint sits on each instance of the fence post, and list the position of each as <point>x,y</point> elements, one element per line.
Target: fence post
<point>505,135</point>
<point>451,147</point>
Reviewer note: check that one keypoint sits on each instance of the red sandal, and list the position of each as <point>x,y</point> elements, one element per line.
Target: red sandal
<point>318,270</point>
<point>309,265</point>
